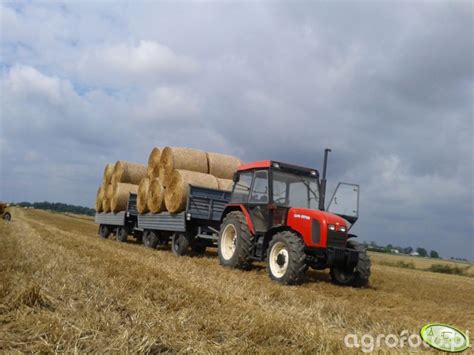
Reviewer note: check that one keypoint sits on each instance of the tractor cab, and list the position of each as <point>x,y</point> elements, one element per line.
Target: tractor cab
<point>268,189</point>
<point>275,207</point>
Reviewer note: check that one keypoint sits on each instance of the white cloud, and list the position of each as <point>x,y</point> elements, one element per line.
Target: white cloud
<point>148,62</point>
<point>25,80</point>
<point>167,103</point>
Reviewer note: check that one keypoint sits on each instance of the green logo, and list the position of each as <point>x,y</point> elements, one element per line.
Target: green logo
<point>444,337</point>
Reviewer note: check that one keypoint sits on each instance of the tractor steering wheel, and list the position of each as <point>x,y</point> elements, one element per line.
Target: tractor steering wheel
<point>281,200</point>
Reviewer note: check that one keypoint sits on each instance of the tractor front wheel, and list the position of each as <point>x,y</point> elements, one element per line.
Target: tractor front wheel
<point>235,242</point>
<point>358,276</point>
<point>286,258</point>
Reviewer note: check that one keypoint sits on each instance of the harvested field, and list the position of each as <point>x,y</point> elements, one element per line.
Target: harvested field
<point>62,288</point>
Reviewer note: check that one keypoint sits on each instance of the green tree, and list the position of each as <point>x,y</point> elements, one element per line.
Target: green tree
<point>422,251</point>
<point>434,254</point>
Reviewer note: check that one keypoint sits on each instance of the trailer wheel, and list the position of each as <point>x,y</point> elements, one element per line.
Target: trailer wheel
<point>180,244</point>
<point>286,258</point>
<point>357,277</point>
<point>104,231</point>
<point>150,239</point>
<point>122,235</point>
<point>235,242</point>
<point>7,216</point>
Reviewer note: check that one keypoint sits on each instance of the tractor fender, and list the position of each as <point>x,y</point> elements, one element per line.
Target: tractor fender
<point>243,209</point>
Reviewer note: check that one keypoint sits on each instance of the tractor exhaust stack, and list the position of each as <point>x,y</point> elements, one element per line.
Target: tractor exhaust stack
<point>322,193</point>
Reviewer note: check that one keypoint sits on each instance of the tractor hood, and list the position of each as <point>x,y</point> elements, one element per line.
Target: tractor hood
<point>314,225</point>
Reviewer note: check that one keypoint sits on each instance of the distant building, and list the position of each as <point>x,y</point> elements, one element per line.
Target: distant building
<point>414,253</point>
<point>394,251</point>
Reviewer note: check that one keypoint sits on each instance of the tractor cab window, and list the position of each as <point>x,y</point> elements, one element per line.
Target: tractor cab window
<point>260,187</point>
<point>242,188</point>
<point>294,190</point>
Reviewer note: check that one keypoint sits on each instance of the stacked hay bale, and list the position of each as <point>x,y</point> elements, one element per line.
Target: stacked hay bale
<point>181,167</point>
<point>125,180</point>
<point>153,170</point>
<point>119,180</point>
<point>100,203</point>
<point>163,184</point>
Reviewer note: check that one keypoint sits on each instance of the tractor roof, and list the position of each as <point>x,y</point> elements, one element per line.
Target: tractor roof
<point>265,164</point>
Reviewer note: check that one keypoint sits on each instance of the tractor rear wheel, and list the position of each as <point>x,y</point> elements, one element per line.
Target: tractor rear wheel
<point>7,216</point>
<point>150,239</point>
<point>235,242</point>
<point>180,244</point>
<point>286,258</point>
<point>121,234</point>
<point>104,231</point>
<point>357,277</point>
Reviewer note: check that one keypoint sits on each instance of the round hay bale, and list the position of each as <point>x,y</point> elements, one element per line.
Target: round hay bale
<point>177,192</point>
<point>108,172</point>
<point>222,166</point>
<point>120,195</point>
<point>143,195</point>
<point>154,163</point>
<point>128,172</point>
<point>108,190</point>
<point>105,205</point>
<point>183,159</point>
<point>98,198</point>
<point>225,184</point>
<point>156,196</point>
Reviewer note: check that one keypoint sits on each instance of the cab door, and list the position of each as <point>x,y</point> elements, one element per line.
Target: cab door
<point>345,202</point>
<point>258,201</point>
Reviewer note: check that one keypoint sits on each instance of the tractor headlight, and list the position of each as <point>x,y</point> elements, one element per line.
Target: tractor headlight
<point>332,227</point>
<point>342,229</point>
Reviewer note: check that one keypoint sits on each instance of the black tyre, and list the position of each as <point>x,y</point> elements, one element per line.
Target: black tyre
<point>180,244</point>
<point>235,242</point>
<point>7,216</point>
<point>286,258</point>
<point>359,275</point>
<point>150,239</point>
<point>122,235</point>
<point>104,231</point>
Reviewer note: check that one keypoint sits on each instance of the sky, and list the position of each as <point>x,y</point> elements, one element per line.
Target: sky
<point>388,86</point>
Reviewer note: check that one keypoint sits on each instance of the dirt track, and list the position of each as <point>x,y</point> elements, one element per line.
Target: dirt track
<point>64,289</point>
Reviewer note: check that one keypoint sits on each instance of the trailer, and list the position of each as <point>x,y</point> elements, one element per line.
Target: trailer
<point>194,229</point>
<point>122,224</point>
<point>276,213</point>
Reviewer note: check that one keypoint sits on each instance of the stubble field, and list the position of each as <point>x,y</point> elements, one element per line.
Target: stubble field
<point>62,288</point>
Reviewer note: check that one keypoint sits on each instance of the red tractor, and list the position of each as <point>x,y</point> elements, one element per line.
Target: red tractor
<point>277,213</point>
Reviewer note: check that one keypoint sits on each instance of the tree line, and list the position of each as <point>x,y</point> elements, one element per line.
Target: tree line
<point>419,251</point>
<point>57,207</point>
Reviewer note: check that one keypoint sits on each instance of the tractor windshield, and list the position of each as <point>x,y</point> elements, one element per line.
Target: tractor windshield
<point>294,190</point>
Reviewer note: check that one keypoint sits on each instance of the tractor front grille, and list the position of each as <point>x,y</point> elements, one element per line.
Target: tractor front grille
<point>336,239</point>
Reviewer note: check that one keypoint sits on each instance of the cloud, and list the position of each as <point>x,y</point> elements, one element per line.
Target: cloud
<point>148,62</point>
<point>168,104</point>
<point>27,81</point>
